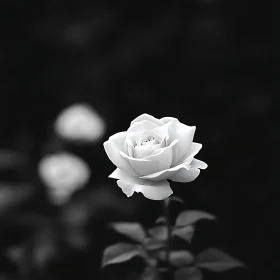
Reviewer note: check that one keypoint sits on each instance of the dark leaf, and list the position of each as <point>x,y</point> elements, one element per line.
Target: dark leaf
<point>12,195</point>
<point>176,198</point>
<point>159,232</point>
<point>150,274</point>
<point>120,252</point>
<point>188,273</point>
<point>216,260</point>
<point>151,244</point>
<point>192,216</point>
<point>185,233</point>
<point>181,258</point>
<point>134,231</point>
<point>10,159</point>
<point>178,258</point>
<point>160,220</point>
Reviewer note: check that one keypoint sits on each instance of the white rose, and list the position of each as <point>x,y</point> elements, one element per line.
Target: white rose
<point>80,122</point>
<point>63,173</point>
<point>150,152</point>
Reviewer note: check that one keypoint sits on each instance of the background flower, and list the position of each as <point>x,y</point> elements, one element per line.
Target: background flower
<point>80,122</point>
<point>63,173</point>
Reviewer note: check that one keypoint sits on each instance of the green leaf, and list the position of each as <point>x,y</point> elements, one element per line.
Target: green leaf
<point>161,220</point>
<point>188,273</point>
<point>192,216</point>
<point>134,231</point>
<point>120,252</point>
<point>185,233</point>
<point>159,232</point>
<point>152,243</point>
<point>150,274</point>
<point>176,198</point>
<point>179,258</point>
<point>216,260</point>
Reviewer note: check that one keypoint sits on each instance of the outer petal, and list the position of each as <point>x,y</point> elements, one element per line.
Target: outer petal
<point>173,129</point>
<point>147,117</point>
<point>184,176</point>
<point>127,187</point>
<point>186,166</point>
<point>167,173</point>
<point>168,119</point>
<point>154,163</point>
<point>118,174</point>
<point>196,163</point>
<point>194,149</point>
<point>185,136</point>
<point>156,190</point>
<point>113,147</point>
<point>141,126</point>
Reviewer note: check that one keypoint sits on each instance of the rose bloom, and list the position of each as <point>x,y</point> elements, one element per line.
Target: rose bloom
<point>63,174</point>
<point>80,122</point>
<point>150,152</point>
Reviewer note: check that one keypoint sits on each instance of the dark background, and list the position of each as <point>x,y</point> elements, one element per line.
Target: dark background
<point>210,63</point>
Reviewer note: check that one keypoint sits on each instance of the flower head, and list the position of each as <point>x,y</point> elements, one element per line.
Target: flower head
<point>150,152</point>
<point>80,122</point>
<point>63,174</point>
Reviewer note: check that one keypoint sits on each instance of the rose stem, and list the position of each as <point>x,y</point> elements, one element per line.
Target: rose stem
<point>168,224</point>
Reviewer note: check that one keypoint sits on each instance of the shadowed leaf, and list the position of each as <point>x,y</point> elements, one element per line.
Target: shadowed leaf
<point>185,233</point>
<point>153,244</point>
<point>176,198</point>
<point>134,231</point>
<point>179,258</point>
<point>188,273</point>
<point>150,274</point>
<point>192,216</point>
<point>120,252</point>
<point>216,260</point>
<point>159,232</point>
<point>160,220</point>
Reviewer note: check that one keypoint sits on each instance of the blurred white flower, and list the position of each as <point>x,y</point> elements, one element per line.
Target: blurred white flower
<point>63,173</point>
<point>80,122</point>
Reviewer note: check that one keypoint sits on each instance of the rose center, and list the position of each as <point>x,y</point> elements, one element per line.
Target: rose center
<point>149,140</point>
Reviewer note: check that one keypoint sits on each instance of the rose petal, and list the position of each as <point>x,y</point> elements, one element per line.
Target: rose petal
<point>147,117</point>
<point>165,174</point>
<point>130,143</point>
<point>141,126</point>
<point>168,119</point>
<point>118,174</point>
<point>184,133</point>
<point>157,190</point>
<point>168,173</point>
<point>154,163</point>
<point>145,151</point>
<point>113,147</point>
<point>165,131</point>
<point>185,136</point>
<point>126,187</point>
<point>184,176</point>
<point>194,149</point>
<point>196,163</point>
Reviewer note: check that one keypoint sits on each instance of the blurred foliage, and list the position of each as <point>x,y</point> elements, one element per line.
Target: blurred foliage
<point>210,63</point>
<point>164,256</point>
